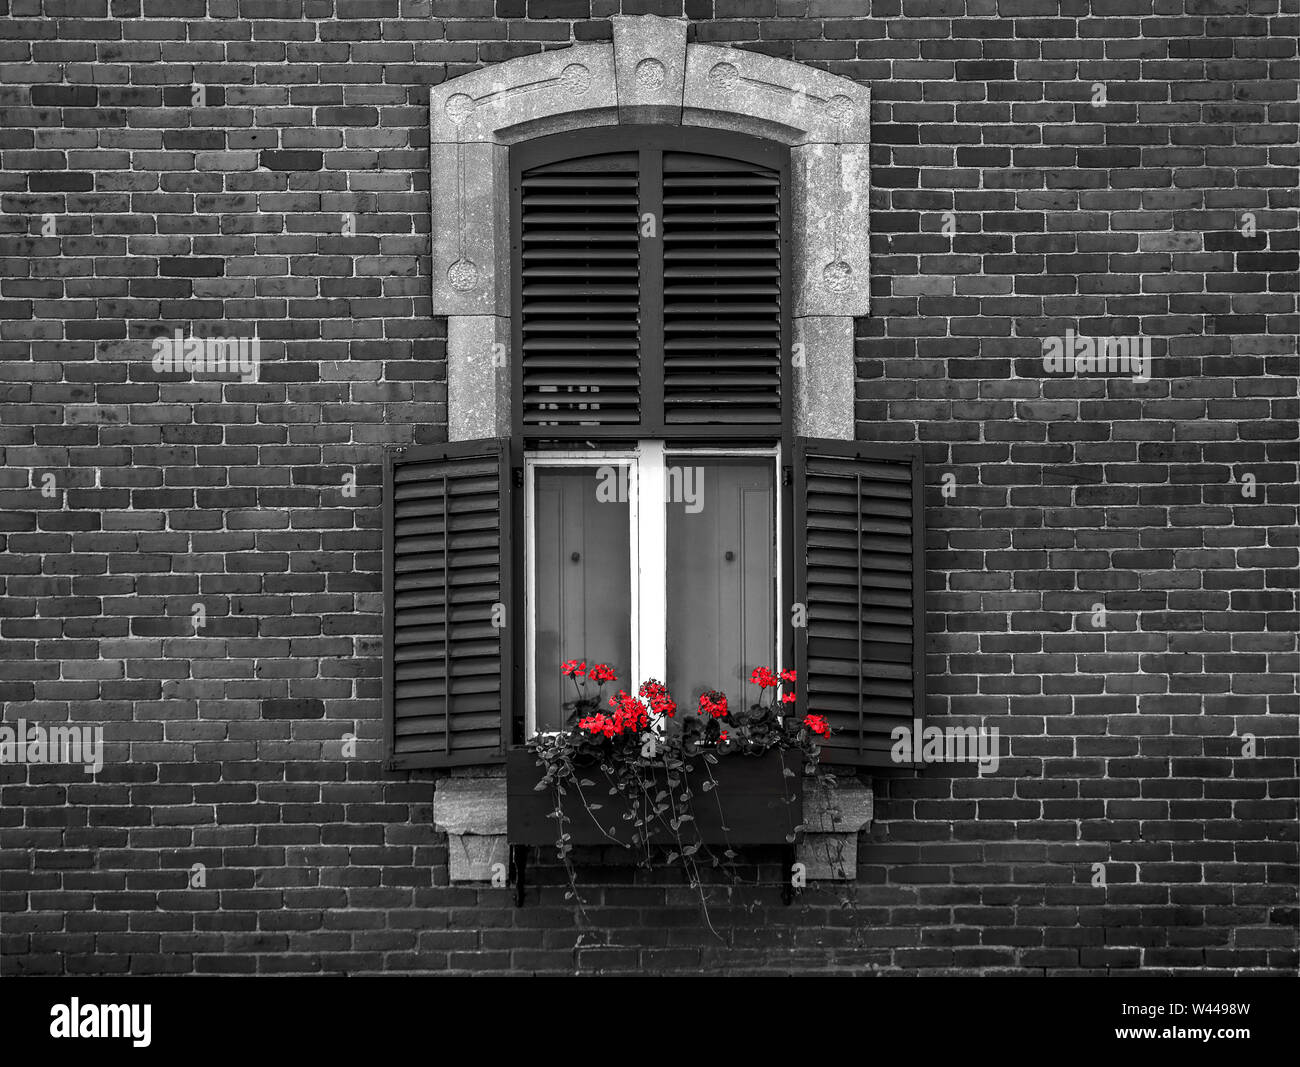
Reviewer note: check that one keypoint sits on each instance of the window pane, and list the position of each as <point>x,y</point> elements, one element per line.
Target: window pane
<point>721,574</point>
<point>583,588</point>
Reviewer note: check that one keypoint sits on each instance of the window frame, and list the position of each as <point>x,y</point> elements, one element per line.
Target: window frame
<point>651,141</point>
<point>647,537</point>
<point>529,441</point>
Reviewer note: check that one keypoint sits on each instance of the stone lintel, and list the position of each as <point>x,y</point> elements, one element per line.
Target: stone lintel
<point>734,89</point>
<point>486,105</point>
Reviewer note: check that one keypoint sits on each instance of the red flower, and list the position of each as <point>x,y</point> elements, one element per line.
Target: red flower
<point>817,725</point>
<point>787,675</point>
<point>722,736</point>
<point>602,673</point>
<point>713,703</point>
<point>763,677</point>
<point>661,701</point>
<point>629,717</point>
<point>788,698</point>
<point>573,667</point>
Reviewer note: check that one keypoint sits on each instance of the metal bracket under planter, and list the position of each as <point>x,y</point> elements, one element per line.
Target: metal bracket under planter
<point>761,803</point>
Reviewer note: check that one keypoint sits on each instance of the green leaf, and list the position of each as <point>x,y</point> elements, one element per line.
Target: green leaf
<point>690,850</point>
<point>787,772</point>
<point>586,782</point>
<point>789,839</point>
<point>671,857</point>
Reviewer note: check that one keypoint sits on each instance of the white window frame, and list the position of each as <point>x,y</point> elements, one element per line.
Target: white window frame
<point>648,544</point>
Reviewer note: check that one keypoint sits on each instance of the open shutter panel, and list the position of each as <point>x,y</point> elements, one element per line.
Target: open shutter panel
<point>579,236</point>
<point>860,572</point>
<point>722,291</point>
<point>446,581</point>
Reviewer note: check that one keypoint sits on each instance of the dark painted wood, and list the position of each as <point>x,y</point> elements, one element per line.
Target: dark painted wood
<point>754,803</point>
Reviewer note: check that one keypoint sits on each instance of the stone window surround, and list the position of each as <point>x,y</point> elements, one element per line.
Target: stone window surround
<point>647,74</point>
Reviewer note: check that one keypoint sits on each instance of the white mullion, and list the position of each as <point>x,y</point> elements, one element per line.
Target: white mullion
<point>634,510</point>
<point>651,564</point>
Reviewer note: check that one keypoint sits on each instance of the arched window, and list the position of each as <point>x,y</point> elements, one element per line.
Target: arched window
<point>667,308</point>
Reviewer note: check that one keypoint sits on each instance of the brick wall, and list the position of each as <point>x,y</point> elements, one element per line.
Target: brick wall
<point>226,746</point>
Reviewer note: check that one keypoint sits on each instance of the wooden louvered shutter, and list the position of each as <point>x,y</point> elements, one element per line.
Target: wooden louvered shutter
<point>860,573</point>
<point>447,563</point>
<point>579,263</point>
<point>722,291</point>
<point>649,287</point>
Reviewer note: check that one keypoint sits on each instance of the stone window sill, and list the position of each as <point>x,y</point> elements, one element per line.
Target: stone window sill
<point>472,813</point>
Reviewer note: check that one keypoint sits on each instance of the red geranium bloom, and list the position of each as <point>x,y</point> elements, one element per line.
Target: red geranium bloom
<point>763,677</point>
<point>573,667</point>
<point>817,725</point>
<point>602,673</point>
<point>713,703</point>
<point>661,701</point>
<point>788,698</point>
<point>722,736</point>
<point>787,675</point>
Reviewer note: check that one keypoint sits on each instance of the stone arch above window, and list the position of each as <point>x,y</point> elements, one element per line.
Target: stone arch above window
<point>648,74</point>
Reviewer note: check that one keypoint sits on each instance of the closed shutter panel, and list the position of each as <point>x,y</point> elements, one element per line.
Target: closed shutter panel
<point>722,291</point>
<point>447,576</point>
<point>579,237</point>
<point>860,572</point>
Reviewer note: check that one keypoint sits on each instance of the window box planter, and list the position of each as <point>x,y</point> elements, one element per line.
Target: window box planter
<point>761,804</point>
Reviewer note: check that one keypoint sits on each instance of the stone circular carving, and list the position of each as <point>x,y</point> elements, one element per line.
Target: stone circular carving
<point>649,75</point>
<point>840,108</point>
<point>724,77</point>
<point>838,276</point>
<point>458,108</point>
<point>575,78</point>
<point>462,275</point>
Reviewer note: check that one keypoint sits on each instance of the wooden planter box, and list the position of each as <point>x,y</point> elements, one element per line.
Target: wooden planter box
<point>761,804</point>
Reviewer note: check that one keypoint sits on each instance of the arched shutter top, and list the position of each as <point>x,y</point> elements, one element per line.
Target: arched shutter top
<point>651,285</point>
